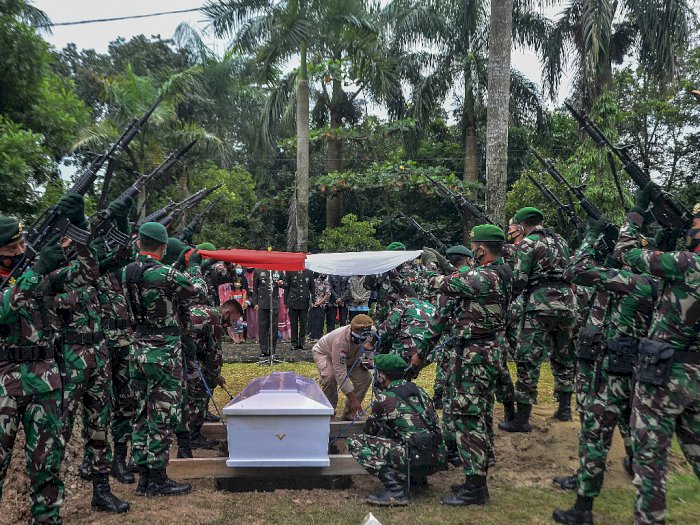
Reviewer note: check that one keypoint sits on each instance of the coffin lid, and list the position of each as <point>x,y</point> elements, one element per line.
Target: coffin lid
<point>280,393</point>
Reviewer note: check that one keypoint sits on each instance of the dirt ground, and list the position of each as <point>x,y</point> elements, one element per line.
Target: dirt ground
<point>520,483</point>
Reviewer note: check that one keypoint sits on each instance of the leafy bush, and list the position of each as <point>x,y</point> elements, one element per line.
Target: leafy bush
<point>352,236</point>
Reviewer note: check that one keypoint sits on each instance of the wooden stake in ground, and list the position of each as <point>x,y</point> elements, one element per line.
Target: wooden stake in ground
<point>498,107</point>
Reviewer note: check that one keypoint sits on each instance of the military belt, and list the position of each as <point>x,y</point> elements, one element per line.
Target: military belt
<point>466,341</point>
<point>689,358</point>
<point>142,329</point>
<point>22,354</point>
<point>547,282</point>
<point>77,338</point>
<point>117,324</point>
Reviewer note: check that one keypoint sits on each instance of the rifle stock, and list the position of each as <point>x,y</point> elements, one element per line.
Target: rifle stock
<point>473,209</point>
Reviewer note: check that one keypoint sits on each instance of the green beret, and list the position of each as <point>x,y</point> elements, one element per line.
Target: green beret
<point>389,363</point>
<point>487,232</point>
<point>396,246</point>
<point>10,230</point>
<point>154,231</point>
<point>460,249</point>
<point>175,247</point>
<point>526,213</point>
<point>206,246</point>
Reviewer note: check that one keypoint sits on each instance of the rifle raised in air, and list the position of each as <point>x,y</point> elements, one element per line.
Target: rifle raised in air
<point>187,204</point>
<point>437,242</point>
<point>564,209</point>
<point>668,212</point>
<point>473,209</point>
<point>52,223</point>
<point>195,225</point>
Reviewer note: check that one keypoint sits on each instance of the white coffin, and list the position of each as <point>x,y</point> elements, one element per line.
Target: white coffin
<point>279,420</point>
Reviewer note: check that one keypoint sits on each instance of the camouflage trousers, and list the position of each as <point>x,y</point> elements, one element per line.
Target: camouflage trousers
<point>124,403</point>
<point>91,389</point>
<point>374,452</point>
<point>505,389</point>
<point>610,406</point>
<point>585,379</point>
<point>198,397</point>
<point>543,336</point>
<point>471,407</point>
<point>39,414</point>
<point>658,412</point>
<point>158,388</point>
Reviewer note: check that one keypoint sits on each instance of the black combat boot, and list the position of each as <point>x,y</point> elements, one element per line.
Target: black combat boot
<point>627,465</point>
<point>183,445</point>
<point>197,440</point>
<point>144,476</point>
<point>119,471</point>
<point>473,492</point>
<point>563,413</point>
<point>453,457</point>
<point>211,418</point>
<point>419,482</point>
<point>566,482</point>
<point>508,410</point>
<point>520,422</point>
<point>159,484</point>
<point>580,514</point>
<point>395,493</point>
<point>102,497</point>
<point>85,469</point>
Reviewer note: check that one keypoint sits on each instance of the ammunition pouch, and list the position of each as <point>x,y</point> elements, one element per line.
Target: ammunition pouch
<point>589,344</point>
<point>116,324</point>
<point>622,355</point>
<point>424,449</point>
<point>23,354</point>
<point>655,361</point>
<point>76,338</point>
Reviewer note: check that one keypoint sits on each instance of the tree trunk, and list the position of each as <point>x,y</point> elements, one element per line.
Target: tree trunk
<point>302,175</point>
<point>471,169</point>
<point>498,107</point>
<point>335,161</point>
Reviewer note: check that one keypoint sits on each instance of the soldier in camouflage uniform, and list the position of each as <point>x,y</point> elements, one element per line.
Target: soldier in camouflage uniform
<point>631,301</point>
<point>153,291</point>
<point>548,320</point>
<point>406,324</point>
<point>666,396</point>
<point>476,315</point>
<point>401,413</point>
<point>30,381</point>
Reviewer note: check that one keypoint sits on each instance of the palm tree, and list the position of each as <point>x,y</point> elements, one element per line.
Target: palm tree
<point>498,102</point>
<point>595,34</point>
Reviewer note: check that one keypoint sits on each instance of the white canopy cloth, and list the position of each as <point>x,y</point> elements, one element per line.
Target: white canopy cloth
<point>358,263</point>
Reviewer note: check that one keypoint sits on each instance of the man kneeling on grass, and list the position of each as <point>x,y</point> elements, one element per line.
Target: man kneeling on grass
<point>401,442</point>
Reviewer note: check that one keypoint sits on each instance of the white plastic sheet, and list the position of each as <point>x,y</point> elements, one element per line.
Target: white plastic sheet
<point>358,263</point>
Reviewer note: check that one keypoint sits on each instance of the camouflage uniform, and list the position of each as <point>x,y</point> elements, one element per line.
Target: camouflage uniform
<point>30,391</point>
<point>658,411</point>
<point>405,326</point>
<point>86,372</point>
<point>549,321</point>
<point>475,313</point>
<point>207,332</point>
<point>631,303</point>
<point>156,357</point>
<point>391,423</point>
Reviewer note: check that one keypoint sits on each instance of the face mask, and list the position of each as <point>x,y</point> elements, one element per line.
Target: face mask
<point>513,236</point>
<point>10,261</point>
<point>693,241</point>
<point>239,271</point>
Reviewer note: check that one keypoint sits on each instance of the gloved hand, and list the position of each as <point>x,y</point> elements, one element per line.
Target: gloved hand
<point>120,209</point>
<point>195,259</point>
<point>51,256</point>
<point>596,227</point>
<point>442,262</point>
<point>428,256</point>
<point>666,239</point>
<point>188,234</point>
<point>643,200</point>
<point>72,205</point>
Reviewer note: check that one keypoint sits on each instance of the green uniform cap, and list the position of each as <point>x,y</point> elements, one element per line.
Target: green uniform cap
<point>10,230</point>
<point>526,213</point>
<point>396,246</point>
<point>206,246</point>
<point>389,363</point>
<point>487,232</point>
<point>154,231</point>
<point>460,249</point>
<point>175,247</point>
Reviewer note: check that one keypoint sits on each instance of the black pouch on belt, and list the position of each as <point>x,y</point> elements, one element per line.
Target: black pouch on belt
<point>655,361</point>
<point>622,355</point>
<point>589,343</point>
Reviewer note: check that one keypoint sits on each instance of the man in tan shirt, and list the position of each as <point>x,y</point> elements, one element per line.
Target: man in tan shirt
<point>338,358</point>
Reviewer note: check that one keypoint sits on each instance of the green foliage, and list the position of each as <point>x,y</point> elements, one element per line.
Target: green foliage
<point>353,236</point>
<point>24,165</point>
